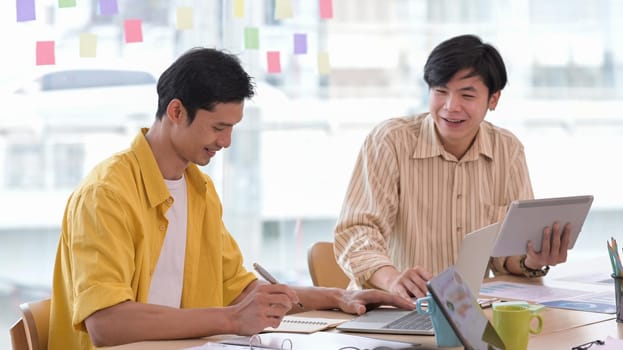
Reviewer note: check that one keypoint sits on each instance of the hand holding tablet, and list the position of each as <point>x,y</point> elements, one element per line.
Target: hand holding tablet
<point>526,220</point>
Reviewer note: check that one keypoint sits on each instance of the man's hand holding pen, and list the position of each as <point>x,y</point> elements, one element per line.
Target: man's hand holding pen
<point>263,305</point>
<point>268,277</point>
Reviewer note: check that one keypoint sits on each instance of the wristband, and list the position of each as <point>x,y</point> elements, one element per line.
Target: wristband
<point>531,273</point>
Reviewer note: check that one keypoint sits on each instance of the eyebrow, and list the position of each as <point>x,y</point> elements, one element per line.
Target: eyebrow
<point>467,88</point>
<point>225,124</point>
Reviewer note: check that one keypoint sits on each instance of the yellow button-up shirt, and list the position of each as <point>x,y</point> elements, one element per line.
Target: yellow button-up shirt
<point>112,232</point>
<point>410,202</point>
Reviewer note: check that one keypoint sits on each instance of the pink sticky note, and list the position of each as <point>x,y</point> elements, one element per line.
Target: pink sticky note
<point>326,8</point>
<point>25,10</point>
<point>274,61</point>
<point>133,30</point>
<point>45,53</point>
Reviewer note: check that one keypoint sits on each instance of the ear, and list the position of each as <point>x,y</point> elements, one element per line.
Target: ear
<point>493,100</point>
<point>175,111</point>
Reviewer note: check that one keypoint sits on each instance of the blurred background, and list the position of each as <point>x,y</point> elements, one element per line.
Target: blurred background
<point>283,179</point>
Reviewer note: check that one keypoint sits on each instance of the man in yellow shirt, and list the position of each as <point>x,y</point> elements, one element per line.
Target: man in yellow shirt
<point>144,253</point>
<point>421,183</point>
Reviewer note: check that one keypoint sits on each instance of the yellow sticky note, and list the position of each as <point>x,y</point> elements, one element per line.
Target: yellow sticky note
<point>283,9</point>
<point>88,45</point>
<point>239,8</point>
<point>324,67</point>
<point>184,16</point>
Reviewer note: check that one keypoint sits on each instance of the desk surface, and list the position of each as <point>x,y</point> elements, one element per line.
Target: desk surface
<point>562,329</point>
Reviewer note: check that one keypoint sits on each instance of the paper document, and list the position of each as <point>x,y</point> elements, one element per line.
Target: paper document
<point>315,341</point>
<point>560,298</point>
<point>528,292</point>
<point>297,324</point>
<point>218,346</point>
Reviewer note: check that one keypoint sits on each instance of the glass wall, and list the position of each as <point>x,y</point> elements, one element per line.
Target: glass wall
<point>283,179</point>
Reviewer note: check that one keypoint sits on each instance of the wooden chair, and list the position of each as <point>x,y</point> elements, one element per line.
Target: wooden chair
<point>18,336</point>
<point>35,322</point>
<point>324,270</point>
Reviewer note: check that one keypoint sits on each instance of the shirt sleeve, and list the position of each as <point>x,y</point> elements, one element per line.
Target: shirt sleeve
<point>101,252</point>
<point>519,187</point>
<point>369,210</point>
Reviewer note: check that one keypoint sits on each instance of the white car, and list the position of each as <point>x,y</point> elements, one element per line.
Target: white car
<point>88,98</point>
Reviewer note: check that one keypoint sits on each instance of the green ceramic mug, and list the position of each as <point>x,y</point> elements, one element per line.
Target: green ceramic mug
<point>513,322</point>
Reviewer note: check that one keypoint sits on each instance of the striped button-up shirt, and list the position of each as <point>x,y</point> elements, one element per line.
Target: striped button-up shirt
<point>410,202</point>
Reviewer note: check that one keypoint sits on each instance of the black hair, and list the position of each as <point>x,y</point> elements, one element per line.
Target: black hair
<point>465,52</point>
<point>202,78</point>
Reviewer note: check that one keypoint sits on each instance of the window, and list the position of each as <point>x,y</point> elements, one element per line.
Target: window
<point>25,166</point>
<point>283,179</point>
<point>68,163</point>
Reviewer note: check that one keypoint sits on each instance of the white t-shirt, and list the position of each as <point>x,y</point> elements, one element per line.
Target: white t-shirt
<point>168,278</point>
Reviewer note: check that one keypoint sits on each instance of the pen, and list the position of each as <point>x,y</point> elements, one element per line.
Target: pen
<point>268,277</point>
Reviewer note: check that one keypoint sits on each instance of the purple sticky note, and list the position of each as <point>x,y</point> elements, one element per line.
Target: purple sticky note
<point>274,61</point>
<point>300,44</point>
<point>133,30</point>
<point>108,7</point>
<point>45,53</point>
<point>25,10</point>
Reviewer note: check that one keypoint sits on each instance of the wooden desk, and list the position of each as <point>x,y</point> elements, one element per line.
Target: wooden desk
<point>562,329</point>
<point>569,338</point>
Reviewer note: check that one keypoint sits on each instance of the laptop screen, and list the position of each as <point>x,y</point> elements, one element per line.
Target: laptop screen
<point>463,312</point>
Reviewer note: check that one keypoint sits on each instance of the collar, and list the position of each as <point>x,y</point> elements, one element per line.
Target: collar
<point>155,187</point>
<point>428,144</point>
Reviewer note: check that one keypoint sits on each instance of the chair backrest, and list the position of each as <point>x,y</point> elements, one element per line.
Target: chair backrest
<point>18,336</point>
<point>36,316</point>
<point>324,270</point>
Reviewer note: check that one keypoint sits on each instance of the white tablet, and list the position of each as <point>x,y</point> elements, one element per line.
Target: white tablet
<point>526,219</point>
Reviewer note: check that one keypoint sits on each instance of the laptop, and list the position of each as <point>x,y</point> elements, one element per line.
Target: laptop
<point>462,311</point>
<point>526,219</point>
<point>472,263</point>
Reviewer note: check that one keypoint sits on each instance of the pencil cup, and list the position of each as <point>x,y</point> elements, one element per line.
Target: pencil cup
<point>444,334</point>
<point>618,294</point>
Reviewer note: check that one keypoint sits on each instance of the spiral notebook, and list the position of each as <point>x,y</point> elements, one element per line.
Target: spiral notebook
<point>297,324</point>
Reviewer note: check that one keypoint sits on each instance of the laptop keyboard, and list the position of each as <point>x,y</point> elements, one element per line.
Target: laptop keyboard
<point>411,320</point>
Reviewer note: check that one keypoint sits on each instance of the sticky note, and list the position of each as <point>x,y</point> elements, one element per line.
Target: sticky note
<point>300,44</point>
<point>251,38</point>
<point>184,18</point>
<point>45,53</point>
<point>66,3</point>
<point>274,61</point>
<point>324,67</point>
<point>25,10</point>
<point>283,9</point>
<point>239,8</point>
<point>109,7</point>
<point>325,8</point>
<point>88,45</point>
<point>133,30</point>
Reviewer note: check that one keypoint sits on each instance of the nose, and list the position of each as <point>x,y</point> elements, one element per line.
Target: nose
<point>224,139</point>
<point>452,103</point>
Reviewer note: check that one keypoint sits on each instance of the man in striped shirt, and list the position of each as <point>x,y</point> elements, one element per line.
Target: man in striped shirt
<point>422,182</point>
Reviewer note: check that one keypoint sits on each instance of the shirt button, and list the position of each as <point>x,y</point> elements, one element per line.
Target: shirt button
<point>458,229</point>
<point>169,200</point>
<point>459,196</point>
<point>162,227</point>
